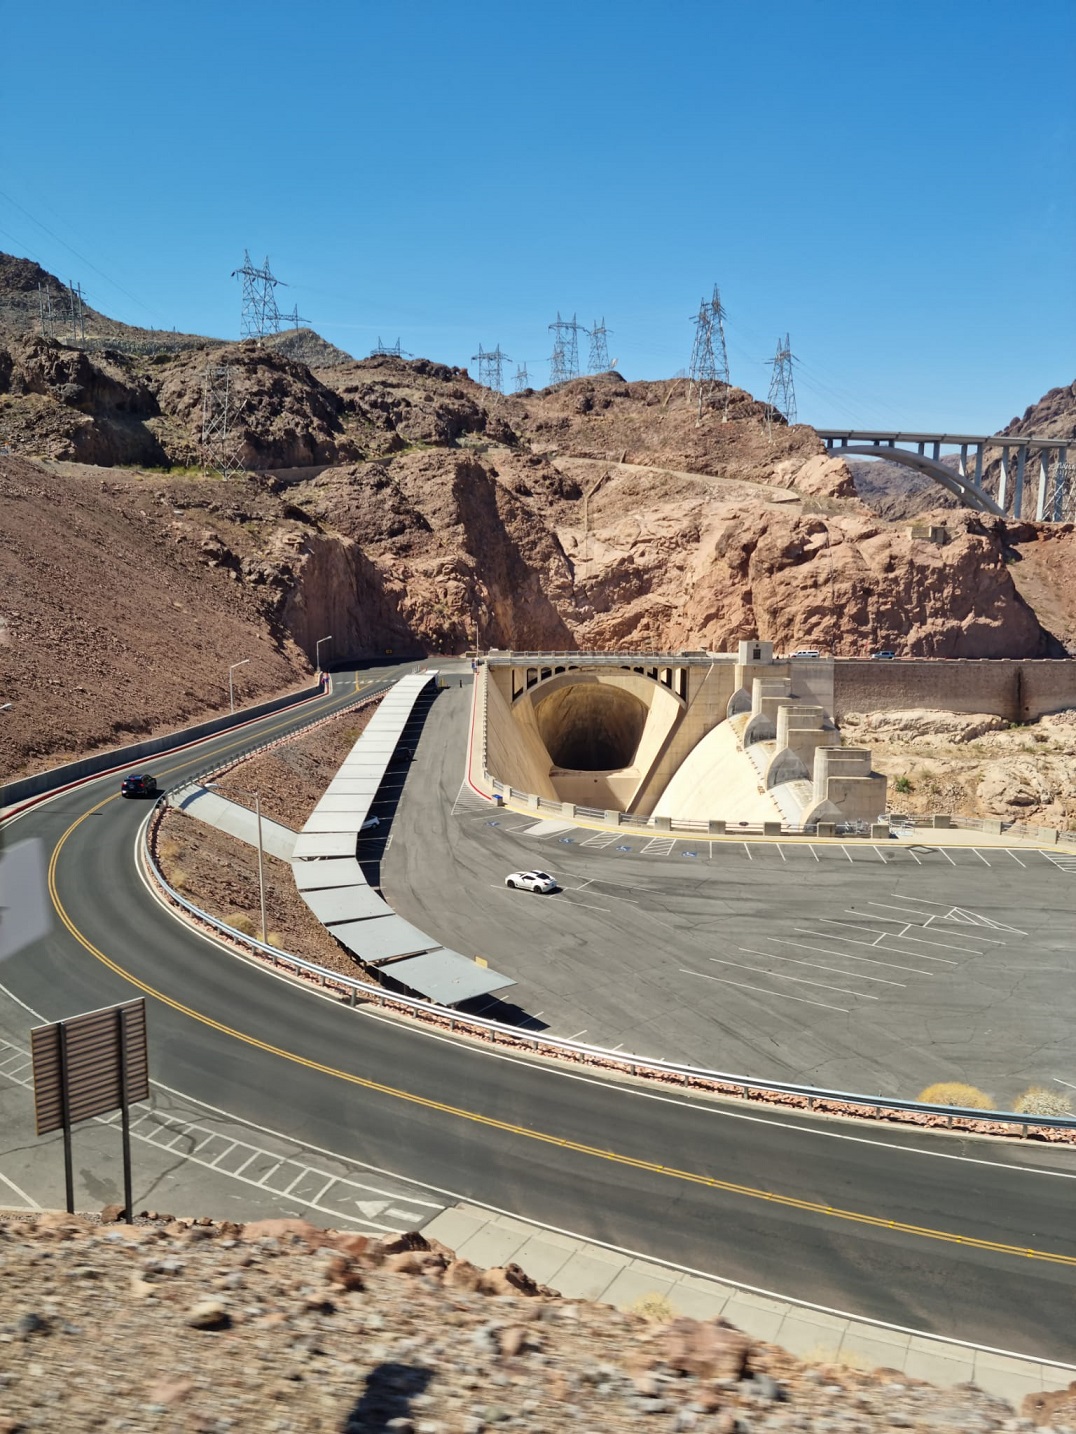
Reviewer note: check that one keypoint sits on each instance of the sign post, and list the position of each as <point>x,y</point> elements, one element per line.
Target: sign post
<point>86,1066</point>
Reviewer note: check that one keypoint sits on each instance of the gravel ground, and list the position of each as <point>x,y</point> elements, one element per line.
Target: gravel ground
<point>220,874</point>
<point>278,1326</point>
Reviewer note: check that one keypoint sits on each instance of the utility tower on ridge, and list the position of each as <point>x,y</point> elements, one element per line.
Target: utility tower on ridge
<point>220,448</point>
<point>391,350</point>
<point>782,395</point>
<point>709,354</point>
<point>522,378</point>
<point>44,309</point>
<point>564,360</point>
<point>490,362</point>
<point>294,318</point>
<point>260,313</point>
<point>599,347</point>
<point>74,309</point>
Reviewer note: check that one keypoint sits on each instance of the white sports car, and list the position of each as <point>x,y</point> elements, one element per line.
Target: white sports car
<point>531,881</point>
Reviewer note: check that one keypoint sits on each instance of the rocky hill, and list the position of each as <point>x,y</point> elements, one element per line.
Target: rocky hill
<point>399,505</point>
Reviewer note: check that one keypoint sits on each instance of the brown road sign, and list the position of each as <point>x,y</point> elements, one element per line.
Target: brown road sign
<point>97,1060</point>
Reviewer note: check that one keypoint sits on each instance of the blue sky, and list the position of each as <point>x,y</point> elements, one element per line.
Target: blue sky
<point>891,183</point>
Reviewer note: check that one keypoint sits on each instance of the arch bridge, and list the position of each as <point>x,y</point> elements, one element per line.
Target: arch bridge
<point>1055,490</point>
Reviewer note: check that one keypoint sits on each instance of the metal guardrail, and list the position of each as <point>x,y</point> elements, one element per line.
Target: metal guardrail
<point>814,1098</point>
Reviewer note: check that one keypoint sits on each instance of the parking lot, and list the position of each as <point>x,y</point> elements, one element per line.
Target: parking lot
<point>851,965</point>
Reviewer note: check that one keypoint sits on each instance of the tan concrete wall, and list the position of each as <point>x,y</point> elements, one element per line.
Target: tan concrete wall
<point>517,754</point>
<point>708,693</point>
<point>1018,690</point>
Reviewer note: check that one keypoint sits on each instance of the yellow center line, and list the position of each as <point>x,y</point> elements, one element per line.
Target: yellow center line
<point>728,1187</point>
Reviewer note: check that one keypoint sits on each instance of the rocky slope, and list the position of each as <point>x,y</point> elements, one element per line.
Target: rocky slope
<point>277,1325</point>
<point>398,505</point>
<point>121,611</point>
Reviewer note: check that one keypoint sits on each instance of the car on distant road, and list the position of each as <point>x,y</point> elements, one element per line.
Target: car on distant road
<point>883,656</point>
<point>139,784</point>
<point>806,652</point>
<point>538,881</point>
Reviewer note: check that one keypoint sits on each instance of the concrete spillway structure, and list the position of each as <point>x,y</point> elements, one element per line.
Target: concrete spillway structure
<point>742,737</point>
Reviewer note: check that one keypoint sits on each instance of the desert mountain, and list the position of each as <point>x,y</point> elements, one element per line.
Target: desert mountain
<point>399,505</point>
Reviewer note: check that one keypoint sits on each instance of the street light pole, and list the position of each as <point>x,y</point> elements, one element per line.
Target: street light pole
<point>215,787</point>
<point>231,687</point>
<point>261,869</point>
<point>317,650</point>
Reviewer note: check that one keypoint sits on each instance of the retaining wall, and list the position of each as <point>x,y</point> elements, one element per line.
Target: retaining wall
<point>1019,690</point>
<point>15,792</point>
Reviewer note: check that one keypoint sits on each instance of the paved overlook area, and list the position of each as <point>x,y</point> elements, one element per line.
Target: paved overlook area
<point>854,966</point>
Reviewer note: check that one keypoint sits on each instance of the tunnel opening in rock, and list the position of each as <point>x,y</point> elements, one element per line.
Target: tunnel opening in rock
<point>591,727</point>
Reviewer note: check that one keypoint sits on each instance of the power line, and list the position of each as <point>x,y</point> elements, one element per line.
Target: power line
<point>294,318</point>
<point>81,257</point>
<point>522,378</point>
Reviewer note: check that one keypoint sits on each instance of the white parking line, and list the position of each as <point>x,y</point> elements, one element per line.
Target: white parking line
<point>900,935</point>
<point>910,911</point>
<point>799,980</point>
<point>780,852</point>
<point>979,854</point>
<point>834,970</point>
<point>812,851</point>
<point>1015,858</point>
<point>214,1163</point>
<point>881,858</point>
<point>747,849</point>
<point>850,956</point>
<point>834,936</point>
<point>777,995</point>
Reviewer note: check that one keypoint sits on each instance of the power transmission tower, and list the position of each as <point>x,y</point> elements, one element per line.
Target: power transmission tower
<point>260,313</point>
<point>294,318</point>
<point>489,363</point>
<point>44,309</point>
<point>709,355</point>
<point>522,378</point>
<point>599,347</point>
<point>564,360</point>
<point>782,395</point>
<point>219,412</point>
<point>74,306</point>
<point>392,350</point>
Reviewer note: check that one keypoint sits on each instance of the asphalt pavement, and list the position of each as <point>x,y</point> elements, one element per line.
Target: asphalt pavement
<point>875,968</point>
<point>966,1239</point>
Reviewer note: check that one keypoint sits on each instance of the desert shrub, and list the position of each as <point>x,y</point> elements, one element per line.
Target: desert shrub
<point>168,848</point>
<point>1038,1100</point>
<point>179,878</point>
<point>240,921</point>
<point>955,1092</point>
<point>902,784</point>
<point>653,1307</point>
<point>274,938</point>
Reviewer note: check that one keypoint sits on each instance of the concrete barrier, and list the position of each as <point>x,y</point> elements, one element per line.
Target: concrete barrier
<point>41,782</point>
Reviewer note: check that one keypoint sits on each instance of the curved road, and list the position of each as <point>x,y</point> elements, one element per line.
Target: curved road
<point>973,1241</point>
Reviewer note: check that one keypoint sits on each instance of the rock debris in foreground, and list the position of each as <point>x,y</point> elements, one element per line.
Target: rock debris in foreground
<point>179,1325</point>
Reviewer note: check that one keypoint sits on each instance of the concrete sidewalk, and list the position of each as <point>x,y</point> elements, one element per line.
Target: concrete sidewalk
<point>238,821</point>
<point>582,1270</point>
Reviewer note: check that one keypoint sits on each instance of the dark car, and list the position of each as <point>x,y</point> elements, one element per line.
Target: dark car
<point>139,784</point>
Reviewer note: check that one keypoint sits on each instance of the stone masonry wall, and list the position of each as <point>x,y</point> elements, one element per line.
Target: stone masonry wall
<point>1017,690</point>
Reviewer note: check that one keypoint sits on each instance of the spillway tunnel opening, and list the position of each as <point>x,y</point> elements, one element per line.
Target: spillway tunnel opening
<point>591,727</point>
